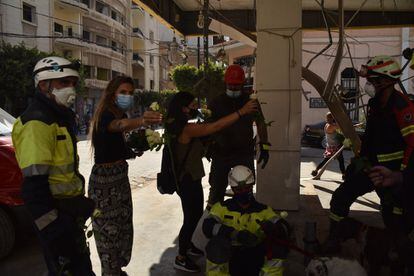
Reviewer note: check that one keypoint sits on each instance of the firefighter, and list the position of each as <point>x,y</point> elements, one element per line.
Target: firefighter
<point>238,229</point>
<point>234,145</point>
<point>384,177</point>
<point>53,189</point>
<point>388,141</point>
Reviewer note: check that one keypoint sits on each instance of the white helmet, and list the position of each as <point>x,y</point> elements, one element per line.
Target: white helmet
<point>54,68</point>
<point>240,176</point>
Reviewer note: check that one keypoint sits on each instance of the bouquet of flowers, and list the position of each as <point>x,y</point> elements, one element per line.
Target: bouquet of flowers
<point>141,140</point>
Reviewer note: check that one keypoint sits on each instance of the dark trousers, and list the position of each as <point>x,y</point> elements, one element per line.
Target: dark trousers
<point>359,184</point>
<point>246,261</point>
<point>220,168</point>
<point>339,157</point>
<point>75,260</point>
<point>192,200</point>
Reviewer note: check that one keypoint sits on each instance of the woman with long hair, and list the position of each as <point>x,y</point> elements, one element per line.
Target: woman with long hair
<point>188,151</point>
<point>333,144</point>
<point>108,183</point>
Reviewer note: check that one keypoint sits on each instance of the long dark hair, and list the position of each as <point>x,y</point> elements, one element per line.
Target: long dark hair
<point>176,118</point>
<point>107,102</point>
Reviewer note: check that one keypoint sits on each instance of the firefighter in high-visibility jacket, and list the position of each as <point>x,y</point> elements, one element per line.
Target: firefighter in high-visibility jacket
<point>53,189</point>
<point>388,141</point>
<point>238,229</point>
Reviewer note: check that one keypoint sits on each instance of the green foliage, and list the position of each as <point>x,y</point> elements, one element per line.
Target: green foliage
<point>188,78</point>
<point>185,77</point>
<point>144,99</point>
<point>16,76</point>
<point>16,67</point>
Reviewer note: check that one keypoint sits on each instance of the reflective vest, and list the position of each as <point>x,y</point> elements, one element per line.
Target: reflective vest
<point>223,213</point>
<point>45,145</point>
<point>389,134</point>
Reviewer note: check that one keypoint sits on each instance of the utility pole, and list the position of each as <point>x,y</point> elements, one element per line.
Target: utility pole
<point>198,52</point>
<point>205,34</point>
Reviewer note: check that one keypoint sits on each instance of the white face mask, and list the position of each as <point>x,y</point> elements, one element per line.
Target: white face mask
<point>369,89</point>
<point>65,96</point>
<point>233,93</point>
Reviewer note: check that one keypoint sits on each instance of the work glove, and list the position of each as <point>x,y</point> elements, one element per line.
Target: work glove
<point>226,231</point>
<point>264,154</point>
<point>246,238</point>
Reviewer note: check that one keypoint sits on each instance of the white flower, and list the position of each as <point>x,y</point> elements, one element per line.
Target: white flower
<point>284,214</point>
<point>206,112</point>
<point>148,132</point>
<point>254,96</point>
<point>153,138</point>
<point>155,106</point>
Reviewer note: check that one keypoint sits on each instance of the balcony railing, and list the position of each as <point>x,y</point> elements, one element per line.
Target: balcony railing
<point>137,59</point>
<point>69,37</point>
<point>76,3</point>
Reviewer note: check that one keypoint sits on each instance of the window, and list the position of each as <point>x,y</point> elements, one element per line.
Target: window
<point>58,28</point>
<point>114,46</point>
<point>102,74</point>
<point>114,15</point>
<point>151,36</point>
<point>151,60</point>
<point>100,40</point>
<point>136,83</point>
<point>87,71</point>
<point>86,35</point>
<point>115,74</point>
<point>87,3</point>
<point>29,13</point>
<point>70,32</point>
<point>102,8</point>
<point>151,84</point>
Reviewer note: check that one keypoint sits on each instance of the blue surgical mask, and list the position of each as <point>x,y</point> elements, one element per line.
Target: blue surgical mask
<point>124,102</point>
<point>233,93</point>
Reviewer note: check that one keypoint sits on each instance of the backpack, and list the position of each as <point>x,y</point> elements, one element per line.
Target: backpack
<point>167,178</point>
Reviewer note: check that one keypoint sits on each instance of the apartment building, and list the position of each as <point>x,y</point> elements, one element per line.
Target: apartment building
<point>29,18</point>
<point>98,32</point>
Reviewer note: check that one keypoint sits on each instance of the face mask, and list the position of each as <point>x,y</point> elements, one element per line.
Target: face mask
<point>124,102</point>
<point>369,89</point>
<point>233,93</point>
<point>65,96</point>
<point>244,198</point>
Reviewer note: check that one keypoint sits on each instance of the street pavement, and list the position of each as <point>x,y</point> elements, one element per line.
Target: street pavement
<point>158,218</point>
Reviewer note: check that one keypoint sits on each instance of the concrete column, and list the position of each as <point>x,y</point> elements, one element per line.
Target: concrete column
<point>405,43</point>
<point>278,82</point>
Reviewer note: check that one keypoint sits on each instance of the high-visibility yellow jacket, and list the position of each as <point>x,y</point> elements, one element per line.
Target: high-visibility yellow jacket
<point>45,144</point>
<point>229,213</point>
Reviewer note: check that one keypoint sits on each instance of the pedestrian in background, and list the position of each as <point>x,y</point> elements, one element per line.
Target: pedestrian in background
<point>188,150</point>
<point>333,144</point>
<point>108,183</point>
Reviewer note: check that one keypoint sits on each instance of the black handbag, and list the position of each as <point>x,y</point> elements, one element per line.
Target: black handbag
<point>167,178</point>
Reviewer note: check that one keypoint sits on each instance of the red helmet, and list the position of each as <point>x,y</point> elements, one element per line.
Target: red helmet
<point>234,75</point>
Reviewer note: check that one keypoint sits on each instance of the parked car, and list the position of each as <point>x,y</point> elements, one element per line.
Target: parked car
<point>12,212</point>
<point>314,134</point>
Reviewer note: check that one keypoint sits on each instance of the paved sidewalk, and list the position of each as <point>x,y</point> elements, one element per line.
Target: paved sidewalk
<point>158,218</point>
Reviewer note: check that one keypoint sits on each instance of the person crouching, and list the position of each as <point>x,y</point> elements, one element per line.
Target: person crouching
<point>238,229</point>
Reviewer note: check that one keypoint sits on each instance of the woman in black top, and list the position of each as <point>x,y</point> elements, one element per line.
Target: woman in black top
<point>185,138</point>
<point>108,183</point>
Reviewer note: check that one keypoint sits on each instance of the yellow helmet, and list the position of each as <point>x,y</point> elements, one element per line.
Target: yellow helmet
<point>381,66</point>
